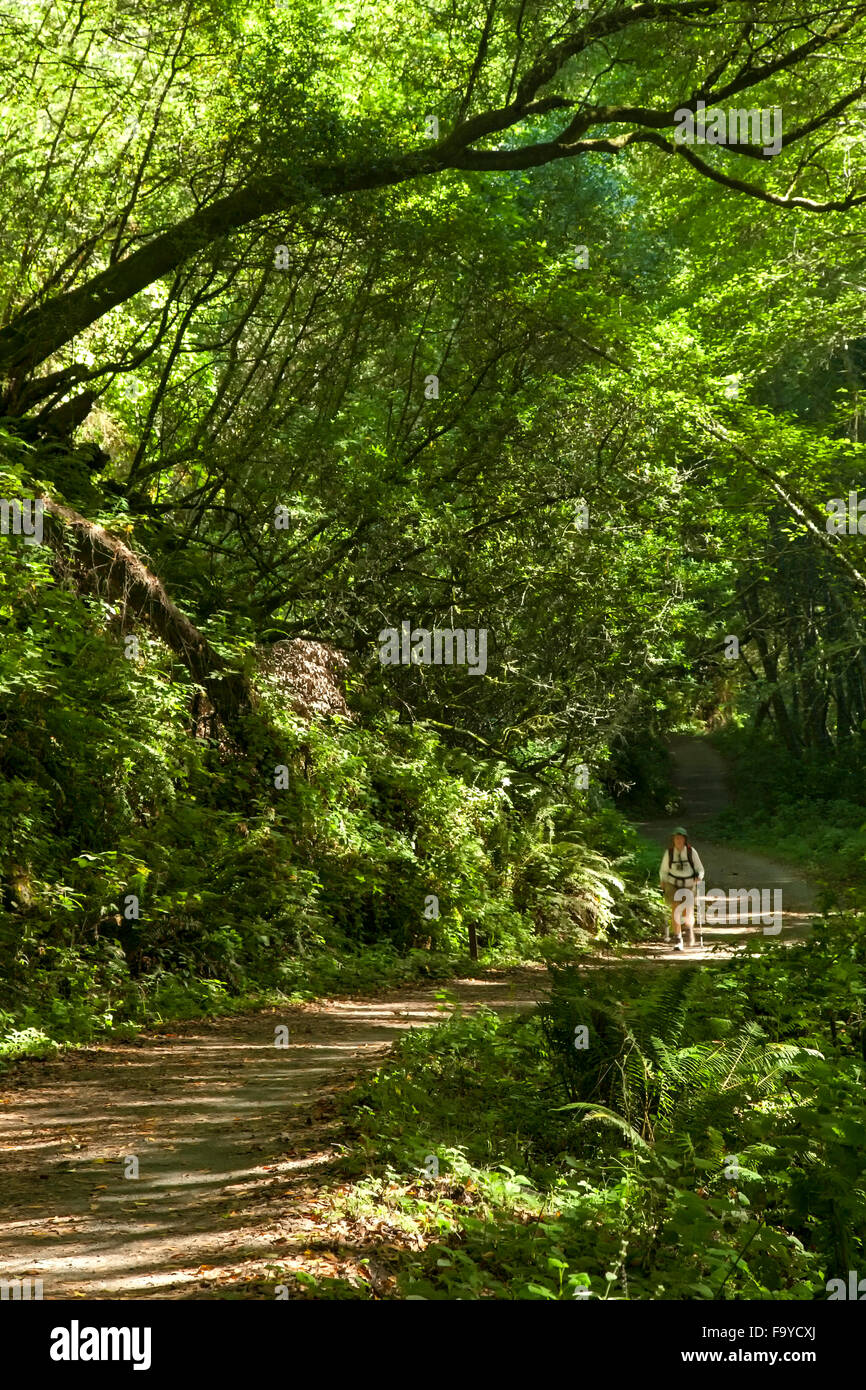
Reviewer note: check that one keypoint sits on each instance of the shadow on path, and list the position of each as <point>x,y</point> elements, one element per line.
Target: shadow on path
<point>229,1132</point>
<point>232,1134</point>
<point>701,777</point>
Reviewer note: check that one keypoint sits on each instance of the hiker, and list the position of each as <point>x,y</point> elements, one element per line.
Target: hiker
<point>681,867</point>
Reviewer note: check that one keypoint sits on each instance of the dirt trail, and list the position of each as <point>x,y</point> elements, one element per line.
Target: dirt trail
<point>232,1134</point>
<point>700,774</point>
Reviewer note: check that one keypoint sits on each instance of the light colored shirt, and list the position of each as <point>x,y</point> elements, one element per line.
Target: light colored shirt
<point>675,866</point>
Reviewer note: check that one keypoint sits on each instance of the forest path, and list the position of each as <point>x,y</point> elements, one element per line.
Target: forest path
<point>234,1135</point>
<point>701,777</point>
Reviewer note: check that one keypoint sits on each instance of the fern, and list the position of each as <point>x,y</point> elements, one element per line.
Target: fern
<point>639,1064</point>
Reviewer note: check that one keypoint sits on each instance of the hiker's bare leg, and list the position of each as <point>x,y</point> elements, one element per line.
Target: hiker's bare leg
<point>689,916</point>
<point>675,920</point>
<point>690,923</point>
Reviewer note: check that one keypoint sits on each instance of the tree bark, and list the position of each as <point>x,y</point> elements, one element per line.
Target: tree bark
<point>107,567</point>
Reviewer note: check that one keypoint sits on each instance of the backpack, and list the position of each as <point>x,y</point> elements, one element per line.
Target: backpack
<point>690,859</point>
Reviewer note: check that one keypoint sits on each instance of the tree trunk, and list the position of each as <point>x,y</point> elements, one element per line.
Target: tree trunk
<point>107,567</point>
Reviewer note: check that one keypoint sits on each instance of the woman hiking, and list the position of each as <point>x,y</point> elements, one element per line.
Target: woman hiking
<point>681,867</point>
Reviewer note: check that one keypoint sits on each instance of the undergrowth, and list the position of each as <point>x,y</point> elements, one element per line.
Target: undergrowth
<point>705,1143</point>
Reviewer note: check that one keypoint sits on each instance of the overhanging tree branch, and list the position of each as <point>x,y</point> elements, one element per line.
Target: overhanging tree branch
<point>39,332</point>
<point>797,505</point>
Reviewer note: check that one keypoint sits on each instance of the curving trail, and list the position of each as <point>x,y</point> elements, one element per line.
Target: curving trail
<point>700,775</point>
<point>232,1134</point>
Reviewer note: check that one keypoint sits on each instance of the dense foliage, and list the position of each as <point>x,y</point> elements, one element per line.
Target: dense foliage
<point>324,317</point>
<point>707,1144</point>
